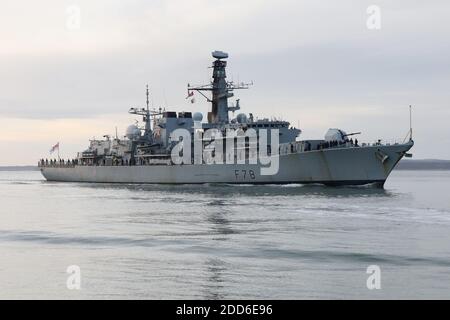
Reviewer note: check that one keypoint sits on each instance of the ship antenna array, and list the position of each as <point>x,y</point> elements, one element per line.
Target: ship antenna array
<point>209,87</point>
<point>410,131</point>
<point>145,112</point>
<point>410,124</point>
<point>230,85</point>
<point>147,94</point>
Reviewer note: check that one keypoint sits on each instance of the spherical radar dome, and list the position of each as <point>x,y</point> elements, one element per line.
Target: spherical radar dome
<point>198,117</point>
<point>241,118</point>
<point>133,132</point>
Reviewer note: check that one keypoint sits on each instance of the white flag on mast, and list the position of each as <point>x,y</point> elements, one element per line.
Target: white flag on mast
<point>54,148</point>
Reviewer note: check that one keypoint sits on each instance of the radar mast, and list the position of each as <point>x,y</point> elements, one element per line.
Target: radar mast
<point>145,113</point>
<point>221,90</point>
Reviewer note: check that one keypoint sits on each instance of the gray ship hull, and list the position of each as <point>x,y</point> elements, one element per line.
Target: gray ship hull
<point>334,166</point>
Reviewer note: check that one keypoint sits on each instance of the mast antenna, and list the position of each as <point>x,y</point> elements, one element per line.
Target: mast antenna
<point>410,124</point>
<point>147,93</point>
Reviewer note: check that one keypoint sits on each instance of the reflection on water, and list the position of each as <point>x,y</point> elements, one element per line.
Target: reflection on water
<point>218,241</point>
<point>230,190</point>
<point>215,283</point>
<point>220,226</point>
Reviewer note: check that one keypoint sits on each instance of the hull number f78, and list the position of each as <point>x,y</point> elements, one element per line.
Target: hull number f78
<point>244,175</point>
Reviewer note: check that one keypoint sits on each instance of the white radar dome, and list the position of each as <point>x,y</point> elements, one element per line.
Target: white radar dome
<point>133,132</point>
<point>198,117</point>
<point>241,118</point>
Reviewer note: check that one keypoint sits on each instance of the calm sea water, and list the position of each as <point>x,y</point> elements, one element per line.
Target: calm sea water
<point>224,241</point>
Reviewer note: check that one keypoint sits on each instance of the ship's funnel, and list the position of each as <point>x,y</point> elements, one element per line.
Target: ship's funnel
<point>219,54</point>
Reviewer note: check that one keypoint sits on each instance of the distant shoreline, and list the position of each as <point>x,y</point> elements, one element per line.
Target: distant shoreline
<point>405,164</point>
<point>19,168</point>
<point>425,164</point>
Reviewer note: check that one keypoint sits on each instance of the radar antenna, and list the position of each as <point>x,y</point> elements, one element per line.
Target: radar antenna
<point>221,90</point>
<point>146,113</point>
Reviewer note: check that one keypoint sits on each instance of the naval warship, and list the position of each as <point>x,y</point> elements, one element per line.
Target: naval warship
<point>181,148</point>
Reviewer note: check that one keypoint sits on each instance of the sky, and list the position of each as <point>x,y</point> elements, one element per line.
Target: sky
<point>70,70</point>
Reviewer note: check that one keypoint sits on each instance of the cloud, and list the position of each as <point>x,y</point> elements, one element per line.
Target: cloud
<point>311,61</point>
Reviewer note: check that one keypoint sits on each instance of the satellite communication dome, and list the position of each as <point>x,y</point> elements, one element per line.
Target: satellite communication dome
<point>241,118</point>
<point>198,117</point>
<point>220,55</point>
<point>133,132</point>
